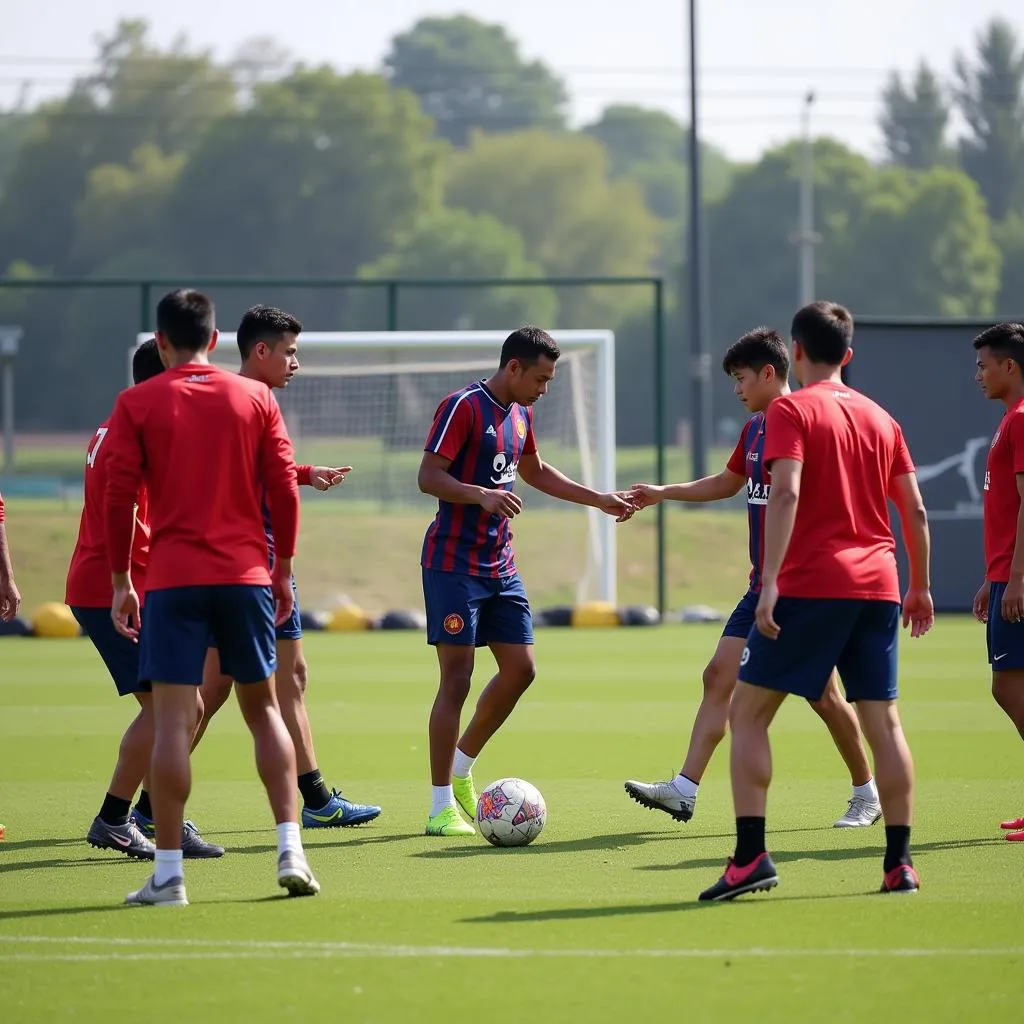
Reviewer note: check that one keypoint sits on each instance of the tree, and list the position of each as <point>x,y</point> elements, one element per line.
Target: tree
<point>459,244</point>
<point>470,75</point>
<point>1009,236</point>
<point>914,119</point>
<point>991,99</point>
<point>557,192</point>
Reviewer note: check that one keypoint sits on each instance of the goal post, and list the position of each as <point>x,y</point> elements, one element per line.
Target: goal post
<point>373,394</point>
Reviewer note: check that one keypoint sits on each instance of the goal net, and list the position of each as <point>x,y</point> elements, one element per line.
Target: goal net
<point>367,400</point>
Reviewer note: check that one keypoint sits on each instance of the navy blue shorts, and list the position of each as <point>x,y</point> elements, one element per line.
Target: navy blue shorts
<point>1005,639</point>
<point>857,637</point>
<point>290,629</point>
<point>741,622</point>
<point>474,611</point>
<point>119,654</point>
<point>180,621</point>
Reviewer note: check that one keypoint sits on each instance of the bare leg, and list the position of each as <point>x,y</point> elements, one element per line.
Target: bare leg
<point>175,710</point>
<point>1008,690</point>
<point>516,671</point>
<point>456,665</point>
<point>750,715</point>
<point>841,719</point>
<point>894,766</point>
<point>275,755</point>
<point>135,752</point>
<point>290,680</point>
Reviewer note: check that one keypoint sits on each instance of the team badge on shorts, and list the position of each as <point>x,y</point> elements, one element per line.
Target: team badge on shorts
<point>521,429</point>
<point>453,624</point>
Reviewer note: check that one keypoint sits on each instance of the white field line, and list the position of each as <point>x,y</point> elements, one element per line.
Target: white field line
<point>126,949</point>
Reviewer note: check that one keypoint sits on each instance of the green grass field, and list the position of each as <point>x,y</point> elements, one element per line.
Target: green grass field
<point>596,921</point>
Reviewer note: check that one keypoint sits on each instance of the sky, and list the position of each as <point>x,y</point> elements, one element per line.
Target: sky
<point>757,60</point>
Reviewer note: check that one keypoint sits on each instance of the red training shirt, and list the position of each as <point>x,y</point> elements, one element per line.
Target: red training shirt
<point>88,584</point>
<point>1,508</point>
<point>1002,499</point>
<point>206,442</point>
<point>852,450</point>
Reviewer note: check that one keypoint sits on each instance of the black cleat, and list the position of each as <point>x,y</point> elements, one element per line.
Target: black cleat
<point>902,879</point>
<point>126,839</point>
<point>758,876</point>
<point>195,847</point>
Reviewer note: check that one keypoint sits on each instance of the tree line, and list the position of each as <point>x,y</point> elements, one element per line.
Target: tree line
<point>455,159</point>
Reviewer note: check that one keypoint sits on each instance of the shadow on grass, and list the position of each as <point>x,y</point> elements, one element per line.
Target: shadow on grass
<point>344,840</point>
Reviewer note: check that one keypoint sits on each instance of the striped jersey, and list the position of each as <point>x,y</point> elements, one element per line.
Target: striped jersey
<point>484,441</point>
<point>747,460</point>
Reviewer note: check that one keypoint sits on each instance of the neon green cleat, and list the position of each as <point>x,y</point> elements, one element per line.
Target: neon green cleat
<point>465,794</point>
<point>449,823</point>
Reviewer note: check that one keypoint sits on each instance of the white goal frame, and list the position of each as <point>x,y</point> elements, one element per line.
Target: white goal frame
<point>601,342</point>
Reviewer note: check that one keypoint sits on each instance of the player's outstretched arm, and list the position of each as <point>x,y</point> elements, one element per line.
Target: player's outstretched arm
<point>321,478</point>
<point>709,488</point>
<point>10,598</point>
<point>435,480</point>
<point>550,481</point>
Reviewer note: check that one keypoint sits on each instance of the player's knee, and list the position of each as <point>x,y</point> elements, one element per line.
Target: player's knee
<point>522,676</point>
<point>200,707</point>
<point>300,676</point>
<point>455,684</point>
<point>719,680</point>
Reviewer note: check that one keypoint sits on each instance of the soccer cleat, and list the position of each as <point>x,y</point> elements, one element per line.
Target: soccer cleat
<point>170,894</point>
<point>860,813</point>
<point>126,839</point>
<point>449,823</point>
<point>757,876</point>
<point>195,847</point>
<point>465,794</point>
<point>662,796</point>
<point>1013,825</point>
<point>293,874</point>
<point>1015,837</point>
<point>145,825</point>
<point>902,879</point>
<point>339,813</point>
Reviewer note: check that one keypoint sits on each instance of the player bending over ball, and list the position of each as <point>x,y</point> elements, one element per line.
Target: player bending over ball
<point>205,442</point>
<point>268,342</point>
<point>117,826</point>
<point>759,364</point>
<point>481,440</point>
<point>1000,602</point>
<point>829,591</point>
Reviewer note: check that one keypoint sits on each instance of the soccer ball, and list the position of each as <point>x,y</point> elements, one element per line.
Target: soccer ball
<point>511,812</point>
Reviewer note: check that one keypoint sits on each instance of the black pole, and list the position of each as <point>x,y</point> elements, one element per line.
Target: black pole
<point>700,359</point>
<point>659,439</point>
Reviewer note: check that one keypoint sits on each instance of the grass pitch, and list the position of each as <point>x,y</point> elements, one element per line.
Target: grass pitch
<point>595,921</point>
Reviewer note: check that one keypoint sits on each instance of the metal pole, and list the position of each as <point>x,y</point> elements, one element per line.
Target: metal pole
<point>8,415</point>
<point>659,438</point>
<point>392,303</point>
<point>700,359</point>
<point>806,237</point>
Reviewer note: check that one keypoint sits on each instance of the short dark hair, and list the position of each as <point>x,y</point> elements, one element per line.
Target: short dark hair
<point>1005,340</point>
<point>527,345</point>
<point>264,323</point>
<point>146,361</point>
<point>824,331</point>
<point>185,318</point>
<point>757,349</point>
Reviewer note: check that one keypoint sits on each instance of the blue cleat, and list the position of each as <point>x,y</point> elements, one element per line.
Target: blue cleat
<point>338,813</point>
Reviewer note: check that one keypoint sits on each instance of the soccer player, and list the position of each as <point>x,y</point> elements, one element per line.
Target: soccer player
<point>481,440</point>
<point>268,342</point>
<point>205,441</point>
<point>759,364</point>
<point>10,598</point>
<point>89,594</point>
<point>829,591</point>
<point>1000,602</point>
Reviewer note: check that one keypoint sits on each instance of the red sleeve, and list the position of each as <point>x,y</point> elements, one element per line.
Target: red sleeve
<point>277,470</point>
<point>304,476</point>
<point>124,467</point>
<point>453,422</point>
<point>783,432</point>
<point>1,508</point>
<point>1015,435</point>
<point>902,463</point>
<point>530,442</point>
<point>738,460</point>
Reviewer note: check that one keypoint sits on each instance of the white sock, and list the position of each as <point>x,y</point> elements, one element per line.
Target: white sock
<point>686,787</point>
<point>441,797</point>
<point>869,791</point>
<point>462,765</point>
<point>167,865</point>
<point>288,838</point>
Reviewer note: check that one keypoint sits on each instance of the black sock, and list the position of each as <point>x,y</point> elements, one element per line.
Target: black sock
<point>749,841</point>
<point>315,793</point>
<point>115,810</point>
<point>897,847</point>
<point>143,806</point>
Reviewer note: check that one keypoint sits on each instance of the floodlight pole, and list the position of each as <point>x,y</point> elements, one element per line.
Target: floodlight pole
<point>9,338</point>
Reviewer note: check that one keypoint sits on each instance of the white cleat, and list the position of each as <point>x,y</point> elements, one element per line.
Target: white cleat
<point>662,796</point>
<point>170,894</point>
<point>860,813</point>
<point>294,875</point>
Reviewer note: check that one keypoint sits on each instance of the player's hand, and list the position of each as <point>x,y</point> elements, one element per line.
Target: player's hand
<point>765,614</point>
<point>980,606</point>
<point>646,495</point>
<point>323,478</point>
<point>284,598</point>
<point>918,612</point>
<point>616,503</point>
<point>501,503</point>
<point>1013,600</point>
<point>10,600</point>
<point>125,611</point>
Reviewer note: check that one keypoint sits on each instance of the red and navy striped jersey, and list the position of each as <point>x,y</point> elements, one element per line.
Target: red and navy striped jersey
<point>747,460</point>
<point>484,440</point>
